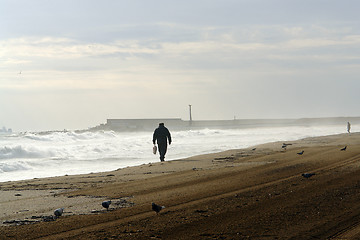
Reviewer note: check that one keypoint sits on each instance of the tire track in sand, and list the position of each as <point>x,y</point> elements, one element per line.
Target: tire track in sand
<point>346,233</point>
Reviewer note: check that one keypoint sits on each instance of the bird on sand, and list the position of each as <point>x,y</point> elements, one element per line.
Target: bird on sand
<point>58,212</point>
<point>157,208</point>
<point>106,204</point>
<point>343,149</point>
<point>301,153</point>
<point>284,146</point>
<point>307,175</point>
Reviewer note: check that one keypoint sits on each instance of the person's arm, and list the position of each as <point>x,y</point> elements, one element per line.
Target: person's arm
<point>169,137</point>
<point>154,136</point>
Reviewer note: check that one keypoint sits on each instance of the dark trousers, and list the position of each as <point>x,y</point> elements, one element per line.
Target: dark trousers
<point>162,150</point>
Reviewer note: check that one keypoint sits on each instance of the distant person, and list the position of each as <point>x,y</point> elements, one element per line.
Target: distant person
<point>162,135</point>
<point>348,127</point>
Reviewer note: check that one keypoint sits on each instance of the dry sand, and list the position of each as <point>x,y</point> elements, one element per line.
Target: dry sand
<point>237,194</point>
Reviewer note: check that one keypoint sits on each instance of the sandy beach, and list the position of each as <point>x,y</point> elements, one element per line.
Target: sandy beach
<point>237,194</point>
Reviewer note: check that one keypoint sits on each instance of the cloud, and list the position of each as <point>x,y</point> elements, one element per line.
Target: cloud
<point>95,60</point>
<point>249,53</point>
<point>66,48</point>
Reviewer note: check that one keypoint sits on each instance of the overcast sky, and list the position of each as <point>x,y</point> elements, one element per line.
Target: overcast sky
<point>71,64</point>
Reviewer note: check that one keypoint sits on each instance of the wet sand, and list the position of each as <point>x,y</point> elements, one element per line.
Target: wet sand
<point>238,194</point>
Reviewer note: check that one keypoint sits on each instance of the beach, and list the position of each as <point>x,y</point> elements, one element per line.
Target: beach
<point>251,193</point>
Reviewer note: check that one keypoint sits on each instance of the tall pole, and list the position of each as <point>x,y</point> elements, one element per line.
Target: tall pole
<point>190,114</point>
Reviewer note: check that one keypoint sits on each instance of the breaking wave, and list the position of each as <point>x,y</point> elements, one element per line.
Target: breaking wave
<point>29,155</point>
<point>20,152</point>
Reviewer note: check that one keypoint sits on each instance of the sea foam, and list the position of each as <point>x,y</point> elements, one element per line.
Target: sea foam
<point>34,155</point>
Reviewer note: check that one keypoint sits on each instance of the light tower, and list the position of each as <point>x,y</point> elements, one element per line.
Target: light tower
<point>190,114</point>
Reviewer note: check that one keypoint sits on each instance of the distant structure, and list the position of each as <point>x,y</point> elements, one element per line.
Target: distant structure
<point>4,130</point>
<point>179,124</point>
<point>143,124</point>
<point>190,115</point>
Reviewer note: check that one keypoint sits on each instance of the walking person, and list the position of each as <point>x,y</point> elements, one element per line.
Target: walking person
<point>348,127</point>
<point>162,136</point>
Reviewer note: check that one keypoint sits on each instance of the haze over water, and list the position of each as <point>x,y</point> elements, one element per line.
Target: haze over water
<point>36,155</point>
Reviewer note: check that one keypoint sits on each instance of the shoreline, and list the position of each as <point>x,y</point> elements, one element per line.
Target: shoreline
<point>180,159</point>
<point>131,188</point>
<point>55,171</point>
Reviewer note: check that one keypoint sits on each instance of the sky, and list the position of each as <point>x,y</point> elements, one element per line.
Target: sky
<point>72,64</point>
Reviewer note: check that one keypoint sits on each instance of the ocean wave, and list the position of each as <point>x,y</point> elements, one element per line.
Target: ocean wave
<point>36,137</point>
<point>68,136</point>
<point>20,152</point>
<point>13,167</point>
<point>56,153</point>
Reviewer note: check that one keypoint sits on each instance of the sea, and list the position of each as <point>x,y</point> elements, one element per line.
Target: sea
<point>29,155</point>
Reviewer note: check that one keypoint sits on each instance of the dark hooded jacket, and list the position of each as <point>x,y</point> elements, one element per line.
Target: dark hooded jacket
<point>161,134</point>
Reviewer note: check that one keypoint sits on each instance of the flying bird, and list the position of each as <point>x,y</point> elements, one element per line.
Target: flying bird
<point>58,212</point>
<point>106,204</point>
<point>157,208</point>
<point>301,153</point>
<point>307,175</point>
<point>343,149</point>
